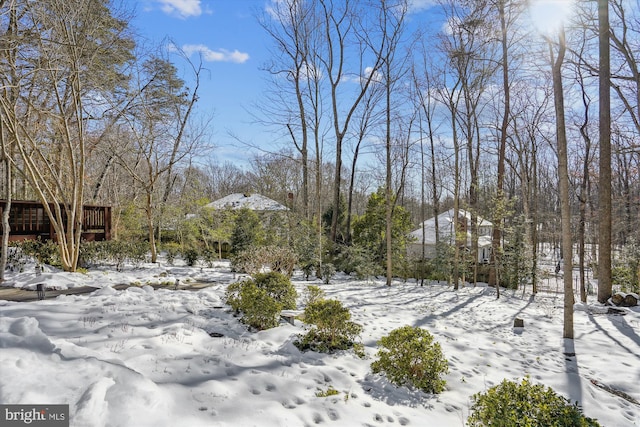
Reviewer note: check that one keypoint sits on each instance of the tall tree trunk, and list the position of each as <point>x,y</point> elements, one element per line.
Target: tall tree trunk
<point>496,236</point>
<point>6,212</point>
<point>583,199</point>
<point>604,183</point>
<point>151,226</point>
<point>563,178</point>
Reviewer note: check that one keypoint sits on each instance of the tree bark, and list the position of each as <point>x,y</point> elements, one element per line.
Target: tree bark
<point>563,178</point>
<point>604,182</point>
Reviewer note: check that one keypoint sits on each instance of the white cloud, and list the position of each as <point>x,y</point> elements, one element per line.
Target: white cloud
<point>181,8</point>
<point>417,6</point>
<point>220,55</point>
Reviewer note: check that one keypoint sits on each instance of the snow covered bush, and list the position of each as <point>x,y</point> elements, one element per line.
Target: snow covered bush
<point>261,298</point>
<point>410,357</point>
<point>525,404</point>
<point>332,327</point>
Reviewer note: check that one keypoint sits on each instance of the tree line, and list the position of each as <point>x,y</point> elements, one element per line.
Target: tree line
<point>471,108</point>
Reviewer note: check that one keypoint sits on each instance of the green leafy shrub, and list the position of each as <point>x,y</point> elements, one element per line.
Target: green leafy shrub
<point>209,256</point>
<point>259,309</point>
<point>332,327</point>
<point>113,251</point>
<point>525,404</point>
<point>171,251</point>
<point>312,294</point>
<point>409,356</point>
<point>247,231</point>
<point>136,252</point>
<point>92,253</point>
<point>327,271</point>
<point>308,268</point>
<point>625,271</point>
<point>261,298</point>
<point>191,256</point>
<point>358,261</point>
<point>232,296</point>
<point>279,287</point>
<point>43,251</point>
<point>16,259</point>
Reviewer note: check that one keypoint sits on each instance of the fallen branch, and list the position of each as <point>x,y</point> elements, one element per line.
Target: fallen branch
<point>612,390</point>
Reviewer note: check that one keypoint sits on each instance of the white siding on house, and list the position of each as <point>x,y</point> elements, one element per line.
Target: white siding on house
<point>426,235</point>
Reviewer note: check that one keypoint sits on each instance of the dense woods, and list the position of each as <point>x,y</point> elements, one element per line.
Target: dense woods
<point>375,127</point>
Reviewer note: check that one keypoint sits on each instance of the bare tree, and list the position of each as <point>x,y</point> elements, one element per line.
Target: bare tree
<point>69,51</point>
<point>393,69</point>
<point>470,51</point>
<point>157,122</point>
<point>293,27</point>
<point>342,28</point>
<point>557,60</point>
<point>424,87</point>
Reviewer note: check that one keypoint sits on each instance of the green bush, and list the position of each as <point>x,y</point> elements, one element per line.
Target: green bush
<point>232,296</point>
<point>259,309</point>
<point>332,330</point>
<point>43,251</point>
<point>525,404</point>
<point>312,294</point>
<point>409,356</point>
<point>308,268</point>
<point>171,251</point>
<point>327,272</point>
<point>261,298</point>
<point>191,257</point>
<point>625,271</point>
<point>358,261</point>
<point>209,256</point>
<point>137,252</point>
<point>279,287</point>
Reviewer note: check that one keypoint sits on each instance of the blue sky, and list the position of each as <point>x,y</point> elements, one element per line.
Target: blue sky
<point>233,48</point>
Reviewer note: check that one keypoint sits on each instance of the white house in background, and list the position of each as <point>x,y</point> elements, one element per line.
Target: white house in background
<point>254,202</point>
<point>426,235</point>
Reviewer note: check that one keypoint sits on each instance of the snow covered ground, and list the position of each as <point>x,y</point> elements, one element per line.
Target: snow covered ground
<point>144,357</point>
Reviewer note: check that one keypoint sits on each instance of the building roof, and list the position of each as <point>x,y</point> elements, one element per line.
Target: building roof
<point>254,202</point>
<point>427,230</point>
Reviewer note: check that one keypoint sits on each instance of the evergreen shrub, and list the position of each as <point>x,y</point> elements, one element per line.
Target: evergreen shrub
<point>410,357</point>
<point>327,272</point>
<point>524,404</point>
<point>191,256</point>
<point>332,327</point>
<point>171,251</point>
<point>259,309</point>
<point>312,294</point>
<point>261,298</point>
